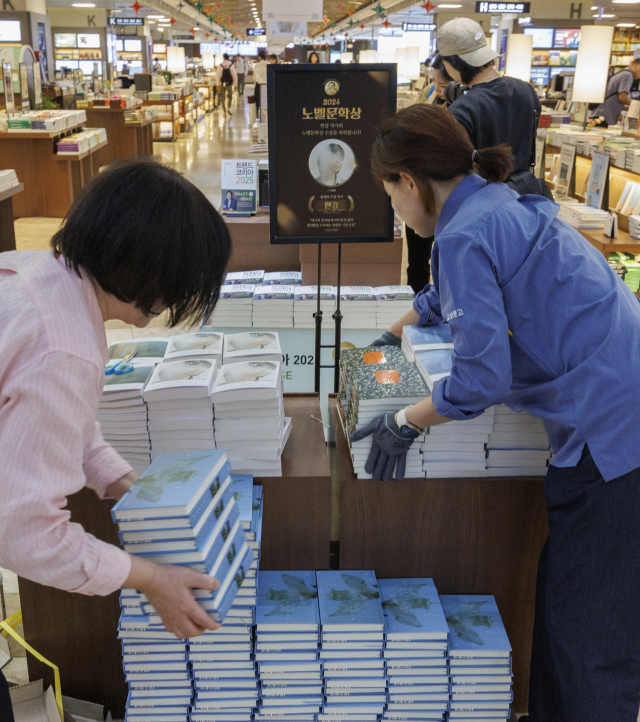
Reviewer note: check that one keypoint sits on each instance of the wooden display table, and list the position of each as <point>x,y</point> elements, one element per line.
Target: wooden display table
<point>252,249</point>
<point>79,633</point>
<point>623,243</point>
<point>7,230</point>
<point>124,138</point>
<point>51,182</point>
<point>472,536</point>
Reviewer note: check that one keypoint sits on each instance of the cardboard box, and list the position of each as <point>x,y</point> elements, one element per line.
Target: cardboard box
<point>32,704</point>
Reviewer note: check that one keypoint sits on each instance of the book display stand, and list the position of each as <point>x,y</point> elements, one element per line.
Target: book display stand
<point>337,317</point>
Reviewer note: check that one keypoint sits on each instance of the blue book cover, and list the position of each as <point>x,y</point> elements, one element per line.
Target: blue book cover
<point>228,553</point>
<point>435,362</point>
<point>349,600</point>
<point>412,608</point>
<point>174,485</point>
<point>475,624</point>
<point>243,494</point>
<point>425,336</point>
<point>227,593</point>
<point>287,599</point>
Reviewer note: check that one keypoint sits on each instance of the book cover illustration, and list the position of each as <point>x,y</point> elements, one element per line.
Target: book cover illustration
<point>349,598</point>
<point>282,278</point>
<point>474,622</point>
<point>143,348</point>
<point>423,335</point>
<point>402,380</point>
<point>357,293</point>
<point>194,343</point>
<point>231,291</point>
<point>197,372</point>
<point>414,604</point>
<point>135,379</point>
<point>274,293</point>
<point>172,480</point>
<point>257,342</point>
<point>252,278</point>
<point>292,595</point>
<point>242,493</point>
<point>436,362</point>
<point>248,374</point>
<point>394,293</point>
<point>310,293</point>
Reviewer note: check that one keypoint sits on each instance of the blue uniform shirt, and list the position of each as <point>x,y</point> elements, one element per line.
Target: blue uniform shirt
<point>504,262</point>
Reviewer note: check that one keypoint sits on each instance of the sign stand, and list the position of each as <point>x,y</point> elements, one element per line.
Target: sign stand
<point>337,317</point>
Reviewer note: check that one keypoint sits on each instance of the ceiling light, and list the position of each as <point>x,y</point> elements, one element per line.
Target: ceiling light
<point>84,5</point>
<point>162,17</point>
<point>604,16</point>
<point>449,6</point>
<point>625,25</point>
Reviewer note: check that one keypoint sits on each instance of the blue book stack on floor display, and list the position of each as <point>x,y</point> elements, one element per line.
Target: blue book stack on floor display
<point>222,663</point>
<point>479,659</point>
<point>286,647</point>
<point>352,636</point>
<point>180,511</point>
<point>416,644</point>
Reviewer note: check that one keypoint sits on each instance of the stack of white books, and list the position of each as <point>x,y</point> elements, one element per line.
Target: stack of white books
<point>249,416</point>
<point>518,445</point>
<point>582,216</point>
<point>392,302</point>
<point>234,307</point>
<point>122,411</point>
<point>273,306</point>
<point>457,448</point>
<point>416,646</point>
<point>206,344</point>
<point>479,659</point>
<point>252,346</point>
<point>223,671</point>
<point>193,523</point>
<point>358,307</point>
<point>380,381</point>
<point>286,646</point>
<point>305,304</point>
<point>417,339</point>
<point>180,411</point>
<point>8,179</point>
<point>282,278</point>
<point>352,635</point>
<point>244,278</point>
<point>634,227</point>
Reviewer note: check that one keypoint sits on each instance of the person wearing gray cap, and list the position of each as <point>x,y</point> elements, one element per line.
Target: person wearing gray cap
<point>496,109</point>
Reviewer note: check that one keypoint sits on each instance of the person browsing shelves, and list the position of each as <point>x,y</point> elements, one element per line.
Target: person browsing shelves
<point>138,240</point>
<point>541,323</point>
<point>616,97</point>
<point>260,77</point>
<point>226,80</point>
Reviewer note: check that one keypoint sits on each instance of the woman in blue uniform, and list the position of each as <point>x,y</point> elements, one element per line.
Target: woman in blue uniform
<point>541,323</point>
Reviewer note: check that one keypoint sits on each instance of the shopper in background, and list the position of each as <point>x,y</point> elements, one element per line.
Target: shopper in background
<point>241,71</point>
<point>260,76</point>
<point>273,59</point>
<point>541,323</point>
<point>313,58</point>
<point>226,80</point>
<point>496,109</point>
<point>139,240</point>
<point>157,68</point>
<point>616,98</point>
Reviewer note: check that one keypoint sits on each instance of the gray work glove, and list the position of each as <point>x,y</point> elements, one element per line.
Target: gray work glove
<point>388,449</point>
<point>387,339</point>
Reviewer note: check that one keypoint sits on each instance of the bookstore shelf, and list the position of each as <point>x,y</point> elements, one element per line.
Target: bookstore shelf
<point>296,535</point>
<point>125,138</point>
<point>472,536</point>
<point>7,230</point>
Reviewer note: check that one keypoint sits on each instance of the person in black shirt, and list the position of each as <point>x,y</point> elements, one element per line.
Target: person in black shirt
<point>496,109</point>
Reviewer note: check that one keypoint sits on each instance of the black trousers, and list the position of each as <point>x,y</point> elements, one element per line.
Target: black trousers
<point>256,95</point>
<point>585,662</point>
<point>6,710</point>
<point>419,252</point>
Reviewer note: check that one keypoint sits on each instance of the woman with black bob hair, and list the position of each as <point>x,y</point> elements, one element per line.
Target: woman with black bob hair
<point>541,323</point>
<point>139,240</point>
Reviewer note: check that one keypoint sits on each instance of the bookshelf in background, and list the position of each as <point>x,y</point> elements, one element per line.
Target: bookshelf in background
<point>626,42</point>
<point>187,120</point>
<point>205,88</point>
<point>167,125</point>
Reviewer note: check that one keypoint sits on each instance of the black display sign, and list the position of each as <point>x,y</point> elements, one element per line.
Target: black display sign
<point>125,21</point>
<point>256,31</point>
<point>419,27</point>
<point>323,121</point>
<point>489,7</point>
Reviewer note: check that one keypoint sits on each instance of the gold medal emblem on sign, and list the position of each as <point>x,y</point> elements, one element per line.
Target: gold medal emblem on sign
<point>331,87</point>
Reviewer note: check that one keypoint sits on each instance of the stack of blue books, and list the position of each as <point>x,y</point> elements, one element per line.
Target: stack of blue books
<point>479,659</point>
<point>415,652</point>
<point>352,628</point>
<point>286,647</point>
<point>222,664</point>
<point>180,511</point>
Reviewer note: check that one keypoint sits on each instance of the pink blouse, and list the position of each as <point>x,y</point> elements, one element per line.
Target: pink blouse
<point>53,349</point>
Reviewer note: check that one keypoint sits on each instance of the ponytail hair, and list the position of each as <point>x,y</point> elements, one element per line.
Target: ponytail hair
<point>429,144</point>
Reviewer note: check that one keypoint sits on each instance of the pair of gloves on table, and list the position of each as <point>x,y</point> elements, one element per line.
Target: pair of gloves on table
<point>388,448</point>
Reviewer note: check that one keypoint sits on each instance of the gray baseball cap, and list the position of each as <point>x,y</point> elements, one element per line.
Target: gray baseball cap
<point>465,38</point>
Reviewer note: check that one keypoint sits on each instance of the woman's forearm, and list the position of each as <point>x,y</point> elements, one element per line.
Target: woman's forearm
<point>411,318</point>
<point>424,414</point>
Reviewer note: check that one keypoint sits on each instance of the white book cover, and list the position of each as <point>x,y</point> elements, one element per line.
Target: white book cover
<point>192,345</point>
<point>236,292</point>
<point>282,278</point>
<point>189,377</point>
<point>260,344</point>
<point>310,293</point>
<point>247,376</point>
<point>252,278</point>
<point>274,295</point>
<point>394,293</point>
<point>130,384</point>
<point>149,350</point>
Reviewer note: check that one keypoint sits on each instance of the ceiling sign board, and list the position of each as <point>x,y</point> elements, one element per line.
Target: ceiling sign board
<point>419,27</point>
<point>126,21</point>
<point>298,11</point>
<point>286,28</point>
<point>489,7</point>
<point>256,31</point>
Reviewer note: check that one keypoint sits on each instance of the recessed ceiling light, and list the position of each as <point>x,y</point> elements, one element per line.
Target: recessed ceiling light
<point>604,16</point>
<point>625,25</point>
<point>84,5</point>
<point>162,17</point>
<point>449,6</point>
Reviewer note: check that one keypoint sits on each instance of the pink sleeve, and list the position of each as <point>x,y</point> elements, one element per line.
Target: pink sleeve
<point>47,422</point>
<point>102,464</point>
